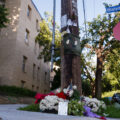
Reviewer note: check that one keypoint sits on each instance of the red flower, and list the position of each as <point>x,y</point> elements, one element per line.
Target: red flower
<point>61,95</point>
<point>41,96</point>
<point>103,118</point>
<point>50,94</point>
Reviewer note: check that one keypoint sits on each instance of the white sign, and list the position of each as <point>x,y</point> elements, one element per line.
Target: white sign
<point>64,21</point>
<point>62,108</point>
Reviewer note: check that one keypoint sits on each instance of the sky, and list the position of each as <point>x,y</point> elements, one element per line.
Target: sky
<point>93,8</point>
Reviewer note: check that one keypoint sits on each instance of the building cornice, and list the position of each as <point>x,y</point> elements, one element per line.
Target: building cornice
<point>36,9</point>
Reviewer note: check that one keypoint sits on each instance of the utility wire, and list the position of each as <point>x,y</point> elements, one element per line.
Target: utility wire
<point>84,17</point>
<point>94,7</point>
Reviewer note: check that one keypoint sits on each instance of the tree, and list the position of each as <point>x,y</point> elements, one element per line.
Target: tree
<point>3,17</point>
<point>111,77</point>
<point>101,43</point>
<point>44,38</point>
<point>88,74</point>
<point>57,80</point>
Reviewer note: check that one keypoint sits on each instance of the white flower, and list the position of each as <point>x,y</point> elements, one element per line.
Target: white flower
<point>74,87</point>
<point>50,103</point>
<point>105,114</point>
<point>94,104</point>
<point>58,90</point>
<point>65,91</point>
<point>103,105</point>
<point>79,102</point>
<point>71,93</point>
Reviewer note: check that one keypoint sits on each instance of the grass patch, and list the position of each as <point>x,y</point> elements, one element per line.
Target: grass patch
<point>106,100</point>
<point>33,108</point>
<point>16,91</point>
<point>112,112</point>
<point>110,94</point>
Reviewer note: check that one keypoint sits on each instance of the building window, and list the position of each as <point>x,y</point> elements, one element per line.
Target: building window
<point>37,88</point>
<point>37,24</point>
<point>35,48</point>
<point>45,76</point>
<point>45,91</point>
<point>22,84</point>
<point>33,87</point>
<point>29,10</point>
<point>27,34</point>
<point>34,67</point>
<point>38,70</point>
<point>24,64</point>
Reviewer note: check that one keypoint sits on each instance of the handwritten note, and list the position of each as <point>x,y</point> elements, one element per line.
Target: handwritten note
<point>62,108</point>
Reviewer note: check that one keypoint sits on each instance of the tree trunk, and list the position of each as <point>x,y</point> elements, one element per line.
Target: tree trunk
<point>93,89</point>
<point>98,79</point>
<point>92,83</point>
<point>70,63</point>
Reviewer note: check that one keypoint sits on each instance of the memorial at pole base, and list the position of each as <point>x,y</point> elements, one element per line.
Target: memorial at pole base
<point>69,99</point>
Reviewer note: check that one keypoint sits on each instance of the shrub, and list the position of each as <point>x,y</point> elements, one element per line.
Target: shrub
<point>16,91</point>
<point>76,95</point>
<point>86,88</point>
<point>75,108</point>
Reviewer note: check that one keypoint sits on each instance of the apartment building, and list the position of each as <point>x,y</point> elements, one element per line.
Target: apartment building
<point>19,63</point>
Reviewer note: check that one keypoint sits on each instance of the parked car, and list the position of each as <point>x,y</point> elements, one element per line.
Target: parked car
<point>116,98</point>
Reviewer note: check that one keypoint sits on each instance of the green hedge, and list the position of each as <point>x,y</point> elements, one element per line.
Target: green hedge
<point>16,91</point>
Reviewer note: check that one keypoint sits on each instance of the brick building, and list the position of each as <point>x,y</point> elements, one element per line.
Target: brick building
<point>19,65</point>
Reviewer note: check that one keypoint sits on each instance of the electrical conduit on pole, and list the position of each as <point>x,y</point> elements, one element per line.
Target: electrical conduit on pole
<point>53,40</point>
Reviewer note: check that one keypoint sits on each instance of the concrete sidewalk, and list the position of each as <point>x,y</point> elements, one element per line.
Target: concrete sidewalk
<point>10,112</point>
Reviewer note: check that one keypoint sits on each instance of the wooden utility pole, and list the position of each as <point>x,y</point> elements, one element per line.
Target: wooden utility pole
<point>70,63</point>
